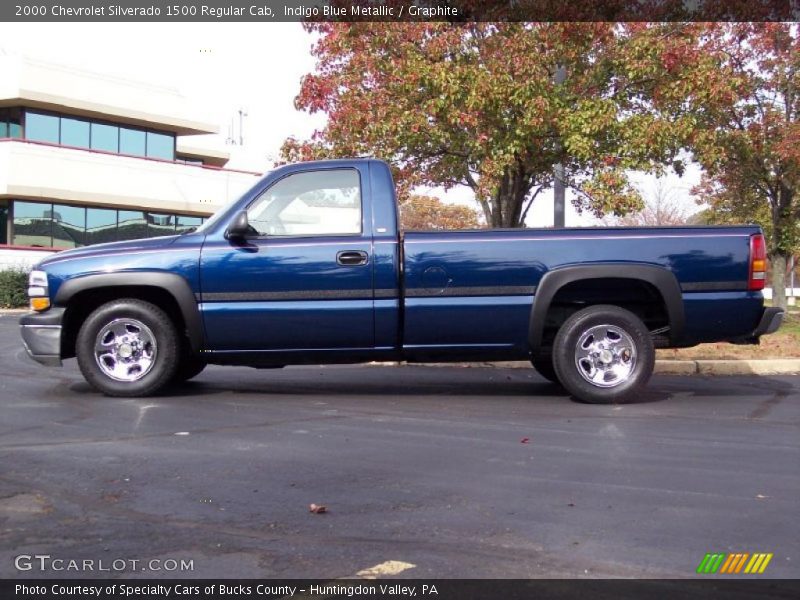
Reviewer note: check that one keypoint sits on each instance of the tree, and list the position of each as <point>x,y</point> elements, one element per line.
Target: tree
<point>476,105</point>
<point>662,207</point>
<point>426,212</point>
<point>748,139</point>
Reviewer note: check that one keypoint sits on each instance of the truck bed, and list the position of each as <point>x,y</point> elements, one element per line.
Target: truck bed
<point>477,286</point>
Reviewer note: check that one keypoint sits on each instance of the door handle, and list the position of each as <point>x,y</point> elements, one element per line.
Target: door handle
<point>352,258</point>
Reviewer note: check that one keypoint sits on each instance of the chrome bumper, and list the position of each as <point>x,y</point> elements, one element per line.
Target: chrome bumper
<point>41,336</point>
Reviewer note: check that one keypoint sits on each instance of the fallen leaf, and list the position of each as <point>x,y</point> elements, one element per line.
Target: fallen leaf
<point>524,440</point>
<point>317,509</point>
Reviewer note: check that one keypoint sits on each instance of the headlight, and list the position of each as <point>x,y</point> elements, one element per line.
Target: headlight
<point>38,291</point>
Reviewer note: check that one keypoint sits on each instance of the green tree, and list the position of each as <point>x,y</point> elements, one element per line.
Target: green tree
<point>477,105</point>
<point>748,135</point>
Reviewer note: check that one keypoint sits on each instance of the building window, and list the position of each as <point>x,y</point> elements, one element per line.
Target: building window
<point>158,224</point>
<point>131,141</point>
<point>69,226</point>
<point>185,224</point>
<point>101,225</point>
<point>105,137</point>
<point>3,222</point>
<point>14,123</point>
<point>189,161</point>
<point>10,123</point>
<point>42,128</point>
<point>86,133</point>
<point>160,145</point>
<point>75,132</point>
<point>131,225</point>
<point>32,225</point>
<point>46,225</point>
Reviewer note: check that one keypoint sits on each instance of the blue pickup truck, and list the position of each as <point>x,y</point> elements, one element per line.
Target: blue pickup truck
<point>310,267</point>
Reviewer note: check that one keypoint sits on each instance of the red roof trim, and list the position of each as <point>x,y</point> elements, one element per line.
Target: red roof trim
<point>37,248</point>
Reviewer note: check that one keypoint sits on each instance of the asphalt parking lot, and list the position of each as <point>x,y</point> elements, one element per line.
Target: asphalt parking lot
<point>460,472</point>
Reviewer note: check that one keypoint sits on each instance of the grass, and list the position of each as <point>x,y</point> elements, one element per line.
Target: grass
<point>784,343</point>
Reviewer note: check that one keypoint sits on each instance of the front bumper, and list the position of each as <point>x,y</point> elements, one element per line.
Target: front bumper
<point>771,320</point>
<point>41,335</point>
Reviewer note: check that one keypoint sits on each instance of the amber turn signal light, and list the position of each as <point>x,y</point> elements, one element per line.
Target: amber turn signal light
<point>40,304</point>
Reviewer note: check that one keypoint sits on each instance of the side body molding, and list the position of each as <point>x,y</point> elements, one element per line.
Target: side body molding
<point>552,281</point>
<point>173,284</point>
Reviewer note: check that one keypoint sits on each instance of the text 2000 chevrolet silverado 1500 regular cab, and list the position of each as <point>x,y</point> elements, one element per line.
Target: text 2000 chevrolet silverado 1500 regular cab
<point>310,267</point>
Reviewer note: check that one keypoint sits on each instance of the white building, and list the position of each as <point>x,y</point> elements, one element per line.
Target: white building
<point>88,158</point>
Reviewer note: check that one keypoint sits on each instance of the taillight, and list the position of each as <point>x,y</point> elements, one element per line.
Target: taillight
<point>758,263</point>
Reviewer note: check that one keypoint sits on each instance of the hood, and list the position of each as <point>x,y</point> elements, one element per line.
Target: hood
<point>110,248</point>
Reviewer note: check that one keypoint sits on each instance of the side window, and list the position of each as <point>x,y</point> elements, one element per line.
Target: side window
<point>315,203</point>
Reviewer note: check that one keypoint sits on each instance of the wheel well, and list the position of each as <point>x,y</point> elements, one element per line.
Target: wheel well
<point>82,304</point>
<point>638,296</point>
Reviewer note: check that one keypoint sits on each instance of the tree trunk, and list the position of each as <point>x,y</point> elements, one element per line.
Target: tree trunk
<point>782,222</point>
<point>778,262</point>
<point>507,203</point>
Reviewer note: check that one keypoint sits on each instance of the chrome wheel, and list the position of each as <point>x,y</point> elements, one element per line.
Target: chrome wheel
<point>125,349</point>
<point>605,356</point>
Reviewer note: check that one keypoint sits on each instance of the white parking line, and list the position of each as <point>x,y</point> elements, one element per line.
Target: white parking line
<point>390,567</point>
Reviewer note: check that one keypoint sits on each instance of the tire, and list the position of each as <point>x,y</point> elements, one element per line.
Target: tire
<point>190,366</point>
<point>128,348</point>
<point>544,366</point>
<point>603,355</point>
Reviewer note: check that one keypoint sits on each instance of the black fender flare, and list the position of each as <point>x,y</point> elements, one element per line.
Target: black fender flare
<point>552,281</point>
<point>175,285</point>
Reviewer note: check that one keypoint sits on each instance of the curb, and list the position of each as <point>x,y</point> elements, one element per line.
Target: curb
<point>775,366</point>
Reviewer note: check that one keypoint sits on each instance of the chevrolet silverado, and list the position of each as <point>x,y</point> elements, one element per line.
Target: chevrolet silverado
<point>310,267</point>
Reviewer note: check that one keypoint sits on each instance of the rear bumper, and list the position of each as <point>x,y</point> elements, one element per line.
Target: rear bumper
<point>771,320</point>
<point>41,336</point>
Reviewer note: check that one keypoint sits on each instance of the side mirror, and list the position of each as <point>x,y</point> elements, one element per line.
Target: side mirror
<point>239,228</point>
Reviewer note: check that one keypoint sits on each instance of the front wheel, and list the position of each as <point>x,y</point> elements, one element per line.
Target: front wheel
<point>603,355</point>
<point>544,366</point>
<point>128,347</point>
<point>190,366</point>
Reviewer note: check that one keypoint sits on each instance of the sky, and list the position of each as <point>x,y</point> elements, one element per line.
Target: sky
<point>225,67</point>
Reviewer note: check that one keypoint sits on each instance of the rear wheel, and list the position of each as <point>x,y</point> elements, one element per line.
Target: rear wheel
<point>128,347</point>
<point>603,355</point>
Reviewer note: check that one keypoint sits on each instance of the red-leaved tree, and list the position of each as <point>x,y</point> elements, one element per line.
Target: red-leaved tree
<point>478,105</point>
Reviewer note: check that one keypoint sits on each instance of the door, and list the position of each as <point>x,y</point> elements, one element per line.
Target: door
<point>303,280</point>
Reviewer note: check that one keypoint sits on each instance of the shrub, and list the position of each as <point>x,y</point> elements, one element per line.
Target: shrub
<point>13,288</point>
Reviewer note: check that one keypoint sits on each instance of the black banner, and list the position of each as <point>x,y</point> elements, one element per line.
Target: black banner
<point>398,10</point>
<point>398,589</point>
